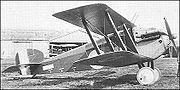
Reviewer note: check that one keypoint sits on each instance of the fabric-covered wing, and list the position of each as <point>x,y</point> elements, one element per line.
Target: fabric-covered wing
<point>115,59</point>
<point>95,16</point>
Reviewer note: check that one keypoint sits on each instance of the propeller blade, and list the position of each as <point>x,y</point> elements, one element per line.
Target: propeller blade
<point>170,35</point>
<point>174,45</point>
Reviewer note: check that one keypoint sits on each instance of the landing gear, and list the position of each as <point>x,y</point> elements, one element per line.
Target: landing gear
<point>148,75</point>
<point>157,73</point>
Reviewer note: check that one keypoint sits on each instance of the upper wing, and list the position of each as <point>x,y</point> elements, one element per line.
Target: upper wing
<point>95,15</point>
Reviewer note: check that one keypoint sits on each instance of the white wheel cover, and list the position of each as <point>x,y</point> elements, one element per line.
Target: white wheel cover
<point>146,76</point>
<point>157,74</point>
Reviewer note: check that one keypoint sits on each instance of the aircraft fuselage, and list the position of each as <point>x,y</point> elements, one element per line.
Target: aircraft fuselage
<point>152,48</point>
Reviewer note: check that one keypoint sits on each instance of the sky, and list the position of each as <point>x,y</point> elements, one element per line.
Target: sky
<point>37,15</point>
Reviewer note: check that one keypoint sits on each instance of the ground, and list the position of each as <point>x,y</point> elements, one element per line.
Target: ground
<point>113,78</point>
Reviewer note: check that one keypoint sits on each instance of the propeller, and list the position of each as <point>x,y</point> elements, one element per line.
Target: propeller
<point>172,40</point>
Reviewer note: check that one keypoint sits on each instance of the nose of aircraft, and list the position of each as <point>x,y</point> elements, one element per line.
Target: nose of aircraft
<point>165,40</point>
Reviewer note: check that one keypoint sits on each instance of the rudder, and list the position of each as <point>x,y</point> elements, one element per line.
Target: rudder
<point>35,56</point>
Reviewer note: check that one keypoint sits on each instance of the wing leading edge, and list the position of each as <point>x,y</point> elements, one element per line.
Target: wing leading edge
<point>95,16</point>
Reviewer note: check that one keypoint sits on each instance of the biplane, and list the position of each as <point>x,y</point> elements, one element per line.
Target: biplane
<point>116,48</point>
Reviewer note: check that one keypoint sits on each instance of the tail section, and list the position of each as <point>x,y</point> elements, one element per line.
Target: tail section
<point>29,56</point>
<point>11,69</point>
<point>15,68</point>
<point>23,57</point>
<point>24,69</point>
<point>17,62</point>
<point>35,56</point>
<point>26,62</point>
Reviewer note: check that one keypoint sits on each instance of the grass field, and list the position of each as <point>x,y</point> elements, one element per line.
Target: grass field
<point>113,78</point>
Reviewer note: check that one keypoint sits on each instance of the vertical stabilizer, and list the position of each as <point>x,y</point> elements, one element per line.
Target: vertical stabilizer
<point>28,56</point>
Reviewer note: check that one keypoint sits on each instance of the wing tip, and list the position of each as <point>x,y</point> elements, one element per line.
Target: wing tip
<point>55,15</point>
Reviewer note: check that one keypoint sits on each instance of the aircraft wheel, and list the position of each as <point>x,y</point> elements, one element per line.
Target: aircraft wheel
<point>157,73</point>
<point>146,76</point>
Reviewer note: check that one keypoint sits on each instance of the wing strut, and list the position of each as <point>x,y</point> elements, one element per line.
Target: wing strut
<point>120,42</point>
<point>131,42</point>
<point>90,36</point>
<point>132,45</point>
<point>109,43</point>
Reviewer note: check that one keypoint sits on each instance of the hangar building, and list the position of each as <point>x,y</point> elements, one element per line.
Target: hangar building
<point>69,41</point>
<point>49,42</point>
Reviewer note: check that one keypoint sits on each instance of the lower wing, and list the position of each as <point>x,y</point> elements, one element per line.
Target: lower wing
<point>115,59</point>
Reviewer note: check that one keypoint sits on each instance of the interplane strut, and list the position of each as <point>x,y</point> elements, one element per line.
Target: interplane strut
<point>120,42</point>
<point>90,36</point>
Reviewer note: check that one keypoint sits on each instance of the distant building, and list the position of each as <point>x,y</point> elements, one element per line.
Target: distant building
<point>13,40</point>
<point>69,41</point>
<point>28,35</point>
<point>50,43</point>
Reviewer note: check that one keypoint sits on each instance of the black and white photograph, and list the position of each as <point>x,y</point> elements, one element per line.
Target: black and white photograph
<point>89,45</point>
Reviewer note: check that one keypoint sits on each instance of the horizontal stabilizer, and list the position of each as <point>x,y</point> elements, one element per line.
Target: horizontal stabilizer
<point>12,69</point>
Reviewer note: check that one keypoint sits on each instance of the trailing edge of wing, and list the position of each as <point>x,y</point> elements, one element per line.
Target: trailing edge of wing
<point>95,15</point>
